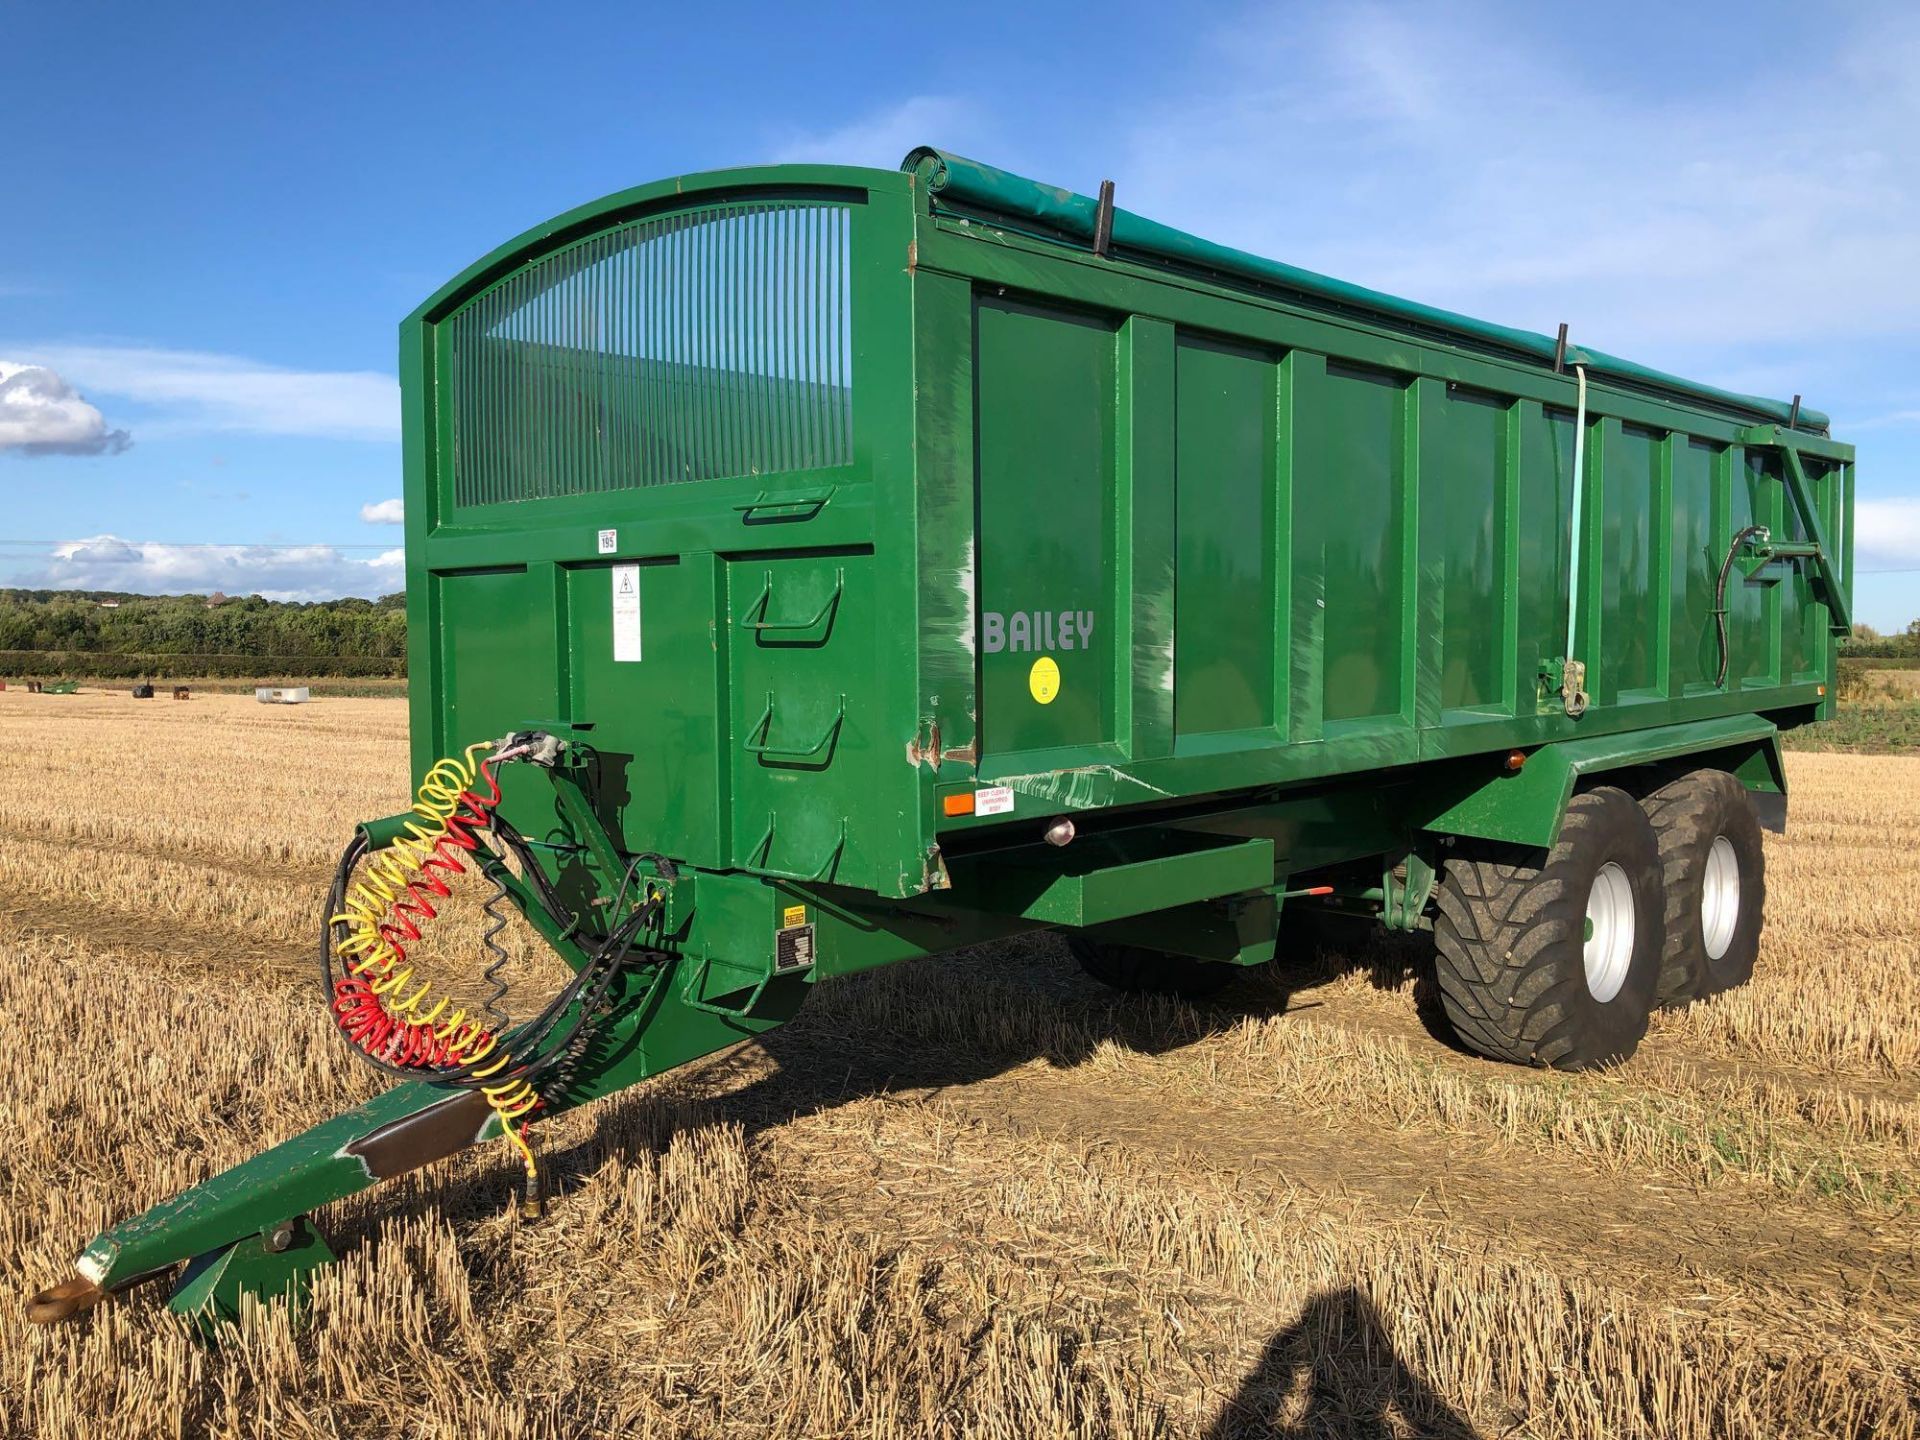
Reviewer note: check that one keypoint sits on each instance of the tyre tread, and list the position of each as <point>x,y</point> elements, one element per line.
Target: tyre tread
<point>1502,936</point>
<point>1685,814</point>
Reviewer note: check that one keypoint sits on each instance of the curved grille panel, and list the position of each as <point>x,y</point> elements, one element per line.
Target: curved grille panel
<point>711,343</point>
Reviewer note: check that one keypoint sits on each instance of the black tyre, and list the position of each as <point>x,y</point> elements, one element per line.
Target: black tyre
<point>1138,970</point>
<point>1716,880</point>
<point>1556,965</point>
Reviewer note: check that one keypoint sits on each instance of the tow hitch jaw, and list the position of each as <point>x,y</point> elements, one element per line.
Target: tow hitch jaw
<point>64,1301</point>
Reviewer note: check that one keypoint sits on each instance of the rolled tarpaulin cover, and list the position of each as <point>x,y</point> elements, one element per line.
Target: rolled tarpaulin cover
<point>959,182</point>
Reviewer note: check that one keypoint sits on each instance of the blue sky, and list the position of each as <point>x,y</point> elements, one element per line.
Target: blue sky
<point>213,217</point>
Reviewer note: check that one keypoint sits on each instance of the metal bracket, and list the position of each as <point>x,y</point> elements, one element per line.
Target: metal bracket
<point>1573,688</point>
<point>1568,679</point>
<point>1405,895</point>
<point>571,791</point>
<point>1103,220</point>
<point>279,1261</point>
<point>1767,561</point>
<point>1799,487</point>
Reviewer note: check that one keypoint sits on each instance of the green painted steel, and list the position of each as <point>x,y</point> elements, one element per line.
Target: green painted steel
<point>902,574</point>
<point>1113,877</point>
<point>214,1287</point>
<point>1225,560</point>
<point>1045,424</point>
<point>1526,807</point>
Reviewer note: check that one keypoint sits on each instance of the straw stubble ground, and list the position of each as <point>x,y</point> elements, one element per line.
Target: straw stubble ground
<point>973,1196</point>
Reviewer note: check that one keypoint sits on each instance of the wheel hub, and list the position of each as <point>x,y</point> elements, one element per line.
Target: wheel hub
<point>1720,897</point>
<point>1609,949</point>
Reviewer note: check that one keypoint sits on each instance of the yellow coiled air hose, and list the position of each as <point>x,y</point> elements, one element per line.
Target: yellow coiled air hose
<point>380,1006</point>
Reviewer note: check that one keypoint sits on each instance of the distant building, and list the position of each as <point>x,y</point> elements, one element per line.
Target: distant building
<point>109,604</point>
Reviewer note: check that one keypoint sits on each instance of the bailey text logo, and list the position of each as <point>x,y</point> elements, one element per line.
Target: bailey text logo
<point>1030,630</point>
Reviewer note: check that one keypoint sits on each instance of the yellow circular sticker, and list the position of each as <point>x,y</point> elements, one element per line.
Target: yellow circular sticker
<point>1044,680</point>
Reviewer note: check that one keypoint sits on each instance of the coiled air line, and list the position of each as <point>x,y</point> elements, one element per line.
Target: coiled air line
<point>392,1020</point>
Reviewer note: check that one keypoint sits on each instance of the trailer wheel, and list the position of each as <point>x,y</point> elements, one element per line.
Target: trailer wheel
<point>1716,878</point>
<point>1138,970</point>
<point>1556,965</point>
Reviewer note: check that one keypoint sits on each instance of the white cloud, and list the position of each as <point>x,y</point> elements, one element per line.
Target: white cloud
<point>384,512</point>
<point>1436,152</point>
<point>279,572</point>
<point>41,414</point>
<point>883,138</point>
<point>197,391</point>
<point>1886,533</point>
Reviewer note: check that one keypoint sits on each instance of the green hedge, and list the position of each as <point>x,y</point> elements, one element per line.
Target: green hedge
<point>107,635</point>
<point>266,669</point>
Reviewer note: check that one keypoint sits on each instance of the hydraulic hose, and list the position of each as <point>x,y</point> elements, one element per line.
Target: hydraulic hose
<point>1720,598</point>
<point>393,1022</point>
<point>381,1008</point>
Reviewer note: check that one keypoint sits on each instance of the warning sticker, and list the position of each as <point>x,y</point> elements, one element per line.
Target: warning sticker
<point>626,612</point>
<point>994,800</point>
<point>793,915</point>
<point>1043,680</point>
<point>793,949</point>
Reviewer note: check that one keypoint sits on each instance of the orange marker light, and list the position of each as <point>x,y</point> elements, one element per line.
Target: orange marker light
<point>1820,690</point>
<point>1515,759</point>
<point>958,804</point>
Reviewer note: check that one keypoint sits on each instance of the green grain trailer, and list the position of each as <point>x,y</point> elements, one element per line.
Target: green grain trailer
<point>858,565</point>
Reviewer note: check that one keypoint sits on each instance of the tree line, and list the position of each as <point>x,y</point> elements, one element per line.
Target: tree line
<point>1869,644</point>
<point>114,635</point>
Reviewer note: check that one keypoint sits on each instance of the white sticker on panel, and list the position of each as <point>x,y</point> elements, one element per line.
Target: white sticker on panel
<point>626,612</point>
<point>609,541</point>
<point>994,800</point>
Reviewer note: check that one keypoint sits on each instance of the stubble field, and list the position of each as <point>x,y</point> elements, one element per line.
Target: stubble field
<point>974,1196</point>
